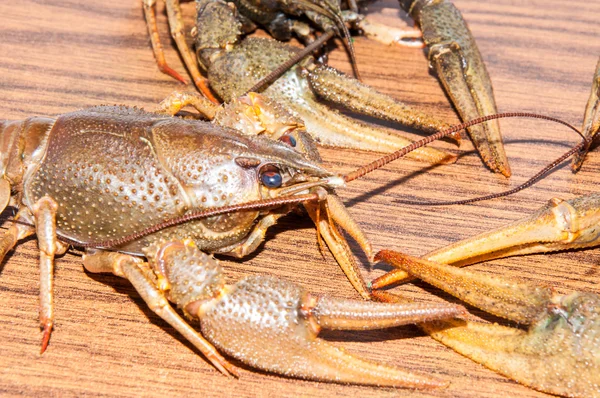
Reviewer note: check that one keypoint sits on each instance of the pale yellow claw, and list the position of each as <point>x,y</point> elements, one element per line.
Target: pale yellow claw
<point>516,301</point>
<point>560,351</point>
<point>559,225</point>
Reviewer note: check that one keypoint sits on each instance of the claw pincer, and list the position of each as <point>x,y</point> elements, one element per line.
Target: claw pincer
<point>454,56</point>
<point>234,64</point>
<point>559,225</point>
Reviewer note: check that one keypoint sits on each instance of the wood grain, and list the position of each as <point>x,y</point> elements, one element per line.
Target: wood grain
<point>61,55</point>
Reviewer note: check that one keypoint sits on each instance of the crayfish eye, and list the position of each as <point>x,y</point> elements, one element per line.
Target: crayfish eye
<point>271,177</point>
<point>288,139</point>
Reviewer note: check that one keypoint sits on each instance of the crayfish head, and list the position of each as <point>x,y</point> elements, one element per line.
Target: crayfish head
<point>283,154</point>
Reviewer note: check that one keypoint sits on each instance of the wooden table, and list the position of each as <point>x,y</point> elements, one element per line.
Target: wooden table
<point>61,55</point>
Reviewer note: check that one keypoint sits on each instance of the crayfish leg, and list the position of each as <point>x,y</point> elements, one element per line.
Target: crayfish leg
<point>253,239</point>
<point>178,100</point>
<point>16,232</point>
<point>177,32</point>
<point>44,212</point>
<point>591,123</point>
<point>157,48</point>
<point>143,280</point>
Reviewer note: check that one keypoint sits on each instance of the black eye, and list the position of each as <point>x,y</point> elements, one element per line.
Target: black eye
<point>288,139</point>
<point>271,178</point>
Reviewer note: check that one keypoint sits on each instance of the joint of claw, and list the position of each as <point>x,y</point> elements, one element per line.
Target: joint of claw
<point>160,264</point>
<point>566,218</point>
<point>307,307</point>
<point>189,276</point>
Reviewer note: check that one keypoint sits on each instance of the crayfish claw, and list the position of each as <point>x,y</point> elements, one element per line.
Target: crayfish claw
<point>559,225</point>
<point>454,55</point>
<point>339,314</point>
<point>273,325</point>
<point>516,301</point>
<point>559,352</point>
<point>327,126</point>
<point>334,86</point>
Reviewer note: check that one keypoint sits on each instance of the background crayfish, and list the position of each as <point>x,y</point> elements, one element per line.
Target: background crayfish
<point>234,63</point>
<point>103,321</point>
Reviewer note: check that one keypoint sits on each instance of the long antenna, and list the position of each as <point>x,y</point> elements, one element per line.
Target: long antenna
<point>451,130</point>
<point>210,212</point>
<point>508,192</point>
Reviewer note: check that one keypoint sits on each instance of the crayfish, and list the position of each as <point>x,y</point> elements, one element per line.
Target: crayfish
<point>148,194</point>
<point>234,64</point>
<point>108,179</point>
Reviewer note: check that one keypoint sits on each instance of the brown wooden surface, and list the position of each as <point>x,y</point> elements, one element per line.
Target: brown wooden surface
<point>58,56</point>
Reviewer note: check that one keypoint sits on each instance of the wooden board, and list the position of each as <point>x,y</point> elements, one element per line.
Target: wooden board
<point>61,55</point>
